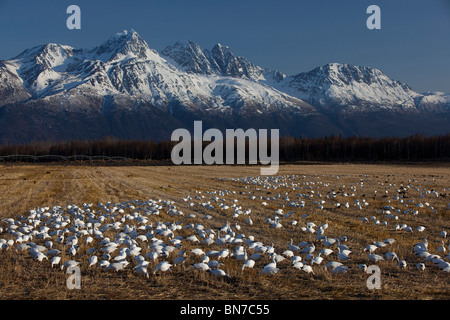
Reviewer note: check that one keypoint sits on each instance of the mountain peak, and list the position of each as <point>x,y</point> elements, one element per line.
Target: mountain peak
<point>127,43</point>
<point>189,56</point>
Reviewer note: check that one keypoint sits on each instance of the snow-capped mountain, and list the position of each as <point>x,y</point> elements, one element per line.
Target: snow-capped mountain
<point>126,89</point>
<point>220,61</point>
<point>124,66</point>
<point>334,87</point>
<point>341,86</point>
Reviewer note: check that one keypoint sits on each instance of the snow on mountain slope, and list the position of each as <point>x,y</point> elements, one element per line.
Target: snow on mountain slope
<point>126,89</point>
<point>11,85</point>
<point>220,61</point>
<point>337,86</point>
<point>125,68</point>
<point>430,101</point>
<point>332,88</point>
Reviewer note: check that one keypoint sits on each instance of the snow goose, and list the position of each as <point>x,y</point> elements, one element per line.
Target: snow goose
<point>92,261</point>
<point>219,273</point>
<point>391,256</point>
<point>70,263</point>
<point>362,267</point>
<point>343,254</point>
<point>340,270</point>
<point>402,264</point>
<point>317,260</point>
<point>292,247</point>
<point>201,266</point>
<point>142,270</point>
<point>223,254</point>
<point>371,248</point>
<point>375,257</point>
<point>297,265</point>
<point>442,249</point>
<point>269,270</point>
<point>307,269</point>
<point>309,249</point>
<point>163,266</point>
<point>179,260</point>
<point>55,261</point>
<point>214,264</point>
<point>333,264</point>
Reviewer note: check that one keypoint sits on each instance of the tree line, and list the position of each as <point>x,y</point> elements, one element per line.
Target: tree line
<point>291,149</point>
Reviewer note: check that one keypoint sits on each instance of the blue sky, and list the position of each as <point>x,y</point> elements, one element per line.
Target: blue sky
<point>289,35</point>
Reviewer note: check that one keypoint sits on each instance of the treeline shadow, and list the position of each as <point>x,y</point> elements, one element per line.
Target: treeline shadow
<point>291,149</point>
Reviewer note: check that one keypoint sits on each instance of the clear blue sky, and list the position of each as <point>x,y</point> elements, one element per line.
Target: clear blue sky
<point>289,35</point>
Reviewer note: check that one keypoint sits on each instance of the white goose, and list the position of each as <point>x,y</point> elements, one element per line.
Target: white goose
<point>163,266</point>
<point>249,263</point>
<point>219,273</point>
<point>269,270</point>
<point>92,261</point>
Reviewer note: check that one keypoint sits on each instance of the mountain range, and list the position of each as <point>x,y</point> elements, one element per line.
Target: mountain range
<point>125,89</point>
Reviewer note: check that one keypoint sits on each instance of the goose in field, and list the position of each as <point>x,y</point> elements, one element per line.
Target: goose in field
<point>441,248</point>
<point>40,256</point>
<point>293,247</point>
<point>375,257</point>
<point>152,255</point>
<point>288,253</point>
<point>391,256</point>
<point>117,266</point>
<point>223,254</point>
<point>163,266</point>
<point>70,263</point>
<point>297,265</point>
<point>256,256</point>
<point>269,270</point>
<point>219,273</point>
<point>214,264</point>
<point>93,260</point>
<point>179,260</point>
<point>241,256</point>
<point>329,241</point>
<point>317,260</point>
<point>343,254</point>
<point>307,269</point>
<point>55,261</point>
<point>201,266</point>
<point>371,248</point>
<point>104,264</point>
<point>402,264</point>
<point>362,267</point>
<point>273,263</point>
<point>340,270</point>
<point>420,266</point>
<point>333,264</point>
<point>142,270</point>
<point>198,252</point>
<point>52,252</point>
<point>309,249</point>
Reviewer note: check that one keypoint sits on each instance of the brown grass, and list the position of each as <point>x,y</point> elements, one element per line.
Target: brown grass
<point>26,187</point>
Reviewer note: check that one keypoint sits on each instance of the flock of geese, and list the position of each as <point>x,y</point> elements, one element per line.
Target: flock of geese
<point>155,236</point>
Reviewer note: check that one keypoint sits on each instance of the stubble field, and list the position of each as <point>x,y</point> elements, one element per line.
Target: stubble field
<point>215,195</point>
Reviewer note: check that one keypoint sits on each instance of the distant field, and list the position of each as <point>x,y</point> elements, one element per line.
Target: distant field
<point>25,187</point>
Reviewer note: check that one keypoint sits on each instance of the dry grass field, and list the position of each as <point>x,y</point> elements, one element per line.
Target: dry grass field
<point>26,187</point>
